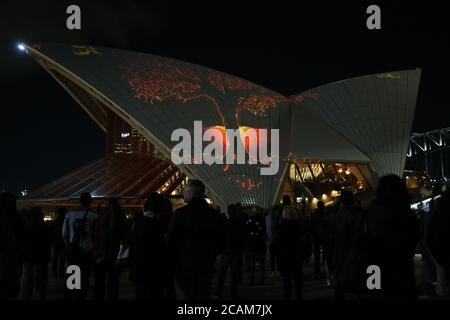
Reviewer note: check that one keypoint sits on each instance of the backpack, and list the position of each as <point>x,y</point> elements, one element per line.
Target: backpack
<point>256,234</point>
<point>82,241</point>
<point>82,234</point>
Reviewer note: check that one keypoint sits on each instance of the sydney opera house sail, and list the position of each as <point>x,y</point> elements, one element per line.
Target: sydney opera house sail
<point>140,99</point>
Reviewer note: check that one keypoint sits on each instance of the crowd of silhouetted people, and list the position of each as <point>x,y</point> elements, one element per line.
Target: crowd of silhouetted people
<point>189,253</point>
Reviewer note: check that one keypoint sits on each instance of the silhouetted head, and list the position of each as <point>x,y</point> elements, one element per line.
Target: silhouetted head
<point>392,190</point>
<point>286,200</point>
<point>320,205</point>
<point>86,199</point>
<point>193,189</point>
<point>347,198</point>
<point>154,203</point>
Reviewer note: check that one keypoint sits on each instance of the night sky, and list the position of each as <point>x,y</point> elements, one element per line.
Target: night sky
<point>44,134</point>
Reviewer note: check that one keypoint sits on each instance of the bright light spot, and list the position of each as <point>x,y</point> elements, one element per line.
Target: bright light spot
<point>125,135</point>
<point>21,47</point>
<point>347,171</point>
<point>340,170</point>
<point>324,197</point>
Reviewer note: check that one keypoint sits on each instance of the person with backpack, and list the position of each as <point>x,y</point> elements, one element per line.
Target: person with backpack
<point>78,235</point>
<point>256,244</point>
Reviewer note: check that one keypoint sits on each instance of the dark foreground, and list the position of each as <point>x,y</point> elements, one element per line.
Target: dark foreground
<point>272,289</point>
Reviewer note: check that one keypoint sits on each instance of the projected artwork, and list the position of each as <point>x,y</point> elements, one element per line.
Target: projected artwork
<point>318,127</point>
<point>155,80</point>
<point>84,50</point>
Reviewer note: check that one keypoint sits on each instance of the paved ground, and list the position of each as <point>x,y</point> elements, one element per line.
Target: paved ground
<point>272,289</point>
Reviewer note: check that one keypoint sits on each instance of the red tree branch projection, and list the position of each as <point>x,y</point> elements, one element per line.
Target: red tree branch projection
<point>256,103</point>
<point>155,81</point>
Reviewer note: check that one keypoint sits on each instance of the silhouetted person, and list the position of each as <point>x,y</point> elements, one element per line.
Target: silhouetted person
<point>345,220</point>
<point>78,236</point>
<point>9,249</point>
<point>58,261</point>
<point>287,203</point>
<point>328,227</point>
<point>301,212</point>
<point>243,217</point>
<point>36,255</point>
<point>124,256</point>
<point>393,233</point>
<point>290,247</point>
<point>316,229</point>
<point>195,238</point>
<point>438,242</point>
<point>256,244</point>
<point>273,220</point>
<point>149,253</point>
<point>426,255</point>
<point>234,244</point>
<point>166,217</point>
<point>107,235</point>
<point>8,201</point>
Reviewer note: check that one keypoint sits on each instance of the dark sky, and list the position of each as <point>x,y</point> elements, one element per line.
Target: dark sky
<point>45,134</point>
